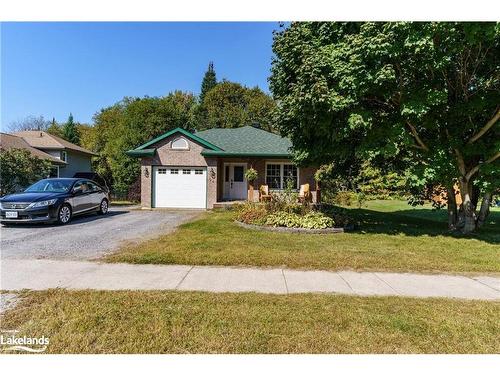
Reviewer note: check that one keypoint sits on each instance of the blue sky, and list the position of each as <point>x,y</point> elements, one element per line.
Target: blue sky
<point>52,69</point>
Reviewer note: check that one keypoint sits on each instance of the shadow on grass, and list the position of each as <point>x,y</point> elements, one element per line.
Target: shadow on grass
<point>419,222</point>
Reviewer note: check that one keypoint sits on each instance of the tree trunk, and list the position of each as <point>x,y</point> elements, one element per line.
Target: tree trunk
<point>474,197</point>
<point>468,210</point>
<point>452,209</point>
<point>485,209</point>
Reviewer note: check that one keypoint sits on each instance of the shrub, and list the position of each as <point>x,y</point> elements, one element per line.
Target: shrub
<point>312,220</point>
<point>285,200</point>
<point>345,198</point>
<point>20,169</point>
<point>361,198</point>
<point>338,214</point>
<point>251,213</point>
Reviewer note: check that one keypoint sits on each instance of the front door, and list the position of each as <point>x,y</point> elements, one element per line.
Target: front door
<point>235,185</point>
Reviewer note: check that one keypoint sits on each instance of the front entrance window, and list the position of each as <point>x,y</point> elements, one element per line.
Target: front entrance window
<point>238,173</point>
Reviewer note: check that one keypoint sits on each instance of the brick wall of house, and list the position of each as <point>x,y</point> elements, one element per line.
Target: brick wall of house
<point>166,156</point>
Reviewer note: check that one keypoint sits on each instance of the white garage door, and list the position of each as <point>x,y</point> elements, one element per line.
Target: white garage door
<point>180,187</point>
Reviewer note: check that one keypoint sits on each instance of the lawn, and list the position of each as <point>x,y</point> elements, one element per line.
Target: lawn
<point>392,237</point>
<point>193,322</point>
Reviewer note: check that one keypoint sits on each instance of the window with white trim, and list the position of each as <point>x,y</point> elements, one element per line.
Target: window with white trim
<point>290,176</point>
<point>162,170</point>
<point>174,171</point>
<point>180,144</point>
<point>279,174</point>
<point>186,171</point>
<point>198,171</point>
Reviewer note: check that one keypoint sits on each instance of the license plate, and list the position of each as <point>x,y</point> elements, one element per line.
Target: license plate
<point>11,214</point>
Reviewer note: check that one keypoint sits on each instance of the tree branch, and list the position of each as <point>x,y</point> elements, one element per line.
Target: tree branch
<point>485,128</point>
<point>421,144</point>
<point>474,170</point>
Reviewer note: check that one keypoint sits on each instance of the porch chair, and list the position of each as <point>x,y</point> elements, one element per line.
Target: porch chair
<point>305,194</point>
<point>264,193</point>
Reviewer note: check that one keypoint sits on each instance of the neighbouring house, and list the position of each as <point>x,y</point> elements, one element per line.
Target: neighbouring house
<point>76,159</point>
<point>182,169</point>
<point>9,142</point>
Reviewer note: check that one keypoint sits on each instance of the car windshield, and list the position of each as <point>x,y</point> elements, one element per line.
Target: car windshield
<point>50,186</point>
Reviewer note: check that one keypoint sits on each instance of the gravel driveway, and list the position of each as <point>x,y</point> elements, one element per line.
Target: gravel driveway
<point>90,236</point>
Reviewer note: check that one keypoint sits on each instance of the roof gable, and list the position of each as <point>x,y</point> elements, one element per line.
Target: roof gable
<point>181,131</point>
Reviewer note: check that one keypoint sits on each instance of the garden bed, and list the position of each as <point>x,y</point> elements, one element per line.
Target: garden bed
<point>292,218</point>
<point>269,228</point>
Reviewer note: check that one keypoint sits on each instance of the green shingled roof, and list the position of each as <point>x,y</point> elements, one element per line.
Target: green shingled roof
<point>244,141</point>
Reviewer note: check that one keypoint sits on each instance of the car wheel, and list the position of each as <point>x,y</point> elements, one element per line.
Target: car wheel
<point>104,207</point>
<point>64,214</point>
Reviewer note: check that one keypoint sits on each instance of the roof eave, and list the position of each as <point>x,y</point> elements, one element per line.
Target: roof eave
<point>246,154</point>
<point>137,153</point>
<point>56,161</point>
<point>63,148</point>
<point>82,152</point>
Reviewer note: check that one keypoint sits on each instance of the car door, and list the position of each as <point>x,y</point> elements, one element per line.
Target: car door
<point>94,195</point>
<point>80,197</point>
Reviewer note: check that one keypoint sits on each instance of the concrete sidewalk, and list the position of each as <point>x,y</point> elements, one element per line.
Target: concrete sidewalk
<point>17,274</point>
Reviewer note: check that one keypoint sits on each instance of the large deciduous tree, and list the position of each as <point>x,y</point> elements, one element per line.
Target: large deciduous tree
<point>231,105</point>
<point>425,93</point>
<point>130,123</point>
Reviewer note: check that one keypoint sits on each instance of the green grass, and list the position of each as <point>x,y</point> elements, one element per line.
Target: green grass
<point>392,237</point>
<point>189,322</point>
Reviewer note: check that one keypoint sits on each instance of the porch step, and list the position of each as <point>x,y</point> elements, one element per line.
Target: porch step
<point>227,204</point>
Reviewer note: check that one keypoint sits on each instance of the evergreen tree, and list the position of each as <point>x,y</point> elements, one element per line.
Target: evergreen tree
<point>209,81</point>
<point>70,131</point>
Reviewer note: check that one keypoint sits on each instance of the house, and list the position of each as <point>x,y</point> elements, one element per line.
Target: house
<point>9,142</point>
<point>75,158</point>
<point>182,169</point>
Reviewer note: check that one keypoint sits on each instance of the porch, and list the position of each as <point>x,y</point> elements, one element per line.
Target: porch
<point>232,186</point>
